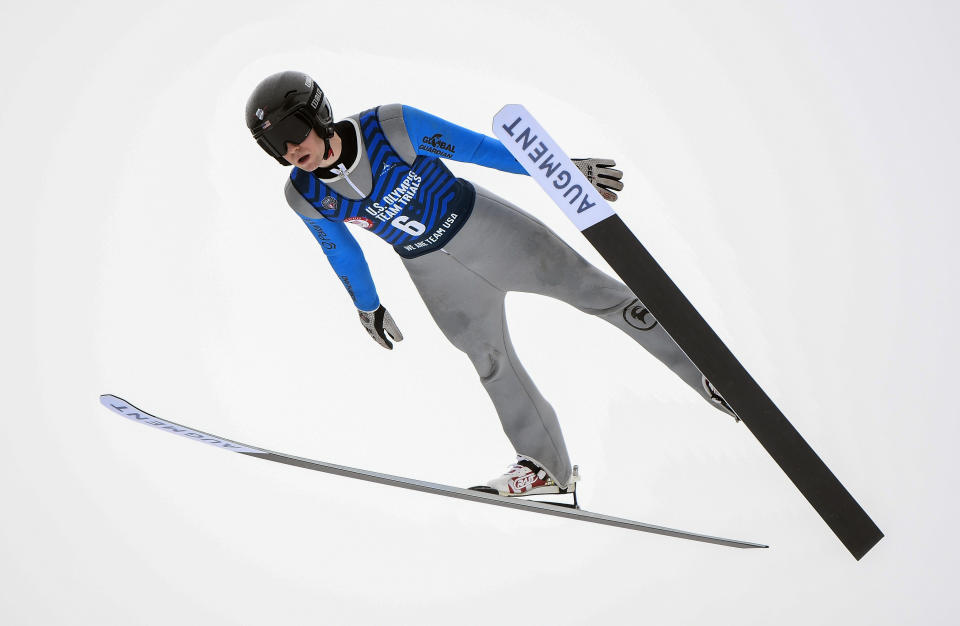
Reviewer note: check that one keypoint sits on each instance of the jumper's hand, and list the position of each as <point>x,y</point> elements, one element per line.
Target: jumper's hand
<point>380,325</point>
<point>601,175</point>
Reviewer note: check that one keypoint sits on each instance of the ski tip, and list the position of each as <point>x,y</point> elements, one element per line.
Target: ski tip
<point>507,107</point>
<point>507,110</point>
<point>111,401</point>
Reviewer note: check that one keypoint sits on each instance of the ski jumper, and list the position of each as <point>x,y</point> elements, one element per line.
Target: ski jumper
<point>464,249</point>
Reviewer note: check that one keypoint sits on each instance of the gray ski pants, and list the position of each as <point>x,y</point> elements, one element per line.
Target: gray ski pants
<point>501,248</point>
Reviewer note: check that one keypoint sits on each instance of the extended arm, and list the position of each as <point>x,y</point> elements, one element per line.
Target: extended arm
<point>347,260</point>
<point>434,136</point>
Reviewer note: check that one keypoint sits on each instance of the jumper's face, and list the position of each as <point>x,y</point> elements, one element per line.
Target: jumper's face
<point>307,154</point>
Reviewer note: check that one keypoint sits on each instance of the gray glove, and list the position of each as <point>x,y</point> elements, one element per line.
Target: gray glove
<point>380,325</point>
<point>601,175</point>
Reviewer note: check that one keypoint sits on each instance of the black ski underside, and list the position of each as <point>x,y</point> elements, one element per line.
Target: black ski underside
<point>124,408</point>
<point>661,296</point>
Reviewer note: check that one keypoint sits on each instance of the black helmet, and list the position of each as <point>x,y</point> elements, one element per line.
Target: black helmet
<point>285,107</point>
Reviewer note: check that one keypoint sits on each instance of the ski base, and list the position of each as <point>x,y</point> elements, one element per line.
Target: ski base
<point>129,411</point>
<point>533,496</point>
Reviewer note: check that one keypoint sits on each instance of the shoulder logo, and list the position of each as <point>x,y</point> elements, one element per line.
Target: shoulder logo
<point>329,203</point>
<point>437,145</point>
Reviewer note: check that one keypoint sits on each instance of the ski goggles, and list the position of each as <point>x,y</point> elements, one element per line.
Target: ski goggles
<point>273,137</point>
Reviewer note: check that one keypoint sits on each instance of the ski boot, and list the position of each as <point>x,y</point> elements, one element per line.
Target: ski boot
<point>526,478</point>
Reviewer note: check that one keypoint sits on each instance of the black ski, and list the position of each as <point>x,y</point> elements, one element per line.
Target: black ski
<point>549,166</point>
<point>127,410</point>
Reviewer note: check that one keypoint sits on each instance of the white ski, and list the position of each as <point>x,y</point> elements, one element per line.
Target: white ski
<point>127,410</point>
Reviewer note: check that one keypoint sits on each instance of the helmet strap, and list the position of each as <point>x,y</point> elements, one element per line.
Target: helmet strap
<point>326,133</point>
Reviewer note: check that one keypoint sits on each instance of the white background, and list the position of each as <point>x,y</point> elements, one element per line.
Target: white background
<point>792,165</point>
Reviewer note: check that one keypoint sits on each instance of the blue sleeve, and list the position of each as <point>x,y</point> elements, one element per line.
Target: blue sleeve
<point>347,260</point>
<point>433,136</point>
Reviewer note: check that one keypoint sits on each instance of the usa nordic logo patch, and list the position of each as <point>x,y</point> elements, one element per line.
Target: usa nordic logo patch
<point>362,222</point>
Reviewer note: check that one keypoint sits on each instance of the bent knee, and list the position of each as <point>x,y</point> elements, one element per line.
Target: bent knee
<point>488,363</point>
<point>622,299</point>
